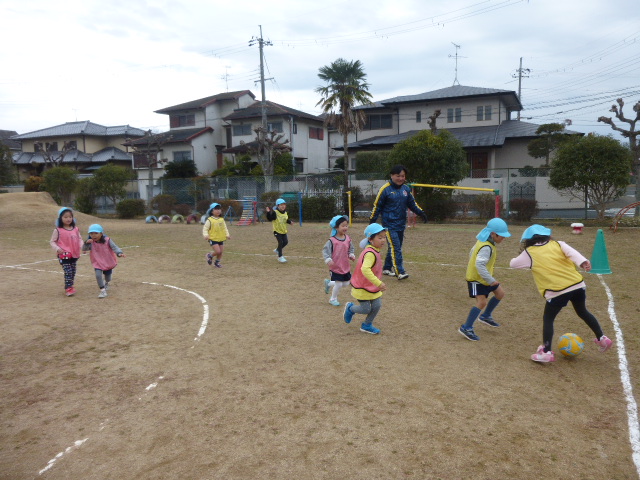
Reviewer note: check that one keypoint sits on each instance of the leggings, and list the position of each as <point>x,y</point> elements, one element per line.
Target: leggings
<point>69,268</point>
<point>282,241</point>
<point>107,277</point>
<point>370,308</point>
<point>578,299</point>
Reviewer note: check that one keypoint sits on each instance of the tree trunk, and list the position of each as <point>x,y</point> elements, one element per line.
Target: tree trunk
<point>345,138</point>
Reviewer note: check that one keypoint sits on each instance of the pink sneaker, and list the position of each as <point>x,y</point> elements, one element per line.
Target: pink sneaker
<point>542,356</point>
<point>70,291</point>
<point>604,343</point>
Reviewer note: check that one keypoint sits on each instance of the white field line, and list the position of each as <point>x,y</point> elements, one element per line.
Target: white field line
<point>625,378</point>
<point>201,331</point>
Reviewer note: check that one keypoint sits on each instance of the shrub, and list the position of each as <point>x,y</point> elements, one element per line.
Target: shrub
<point>164,204</point>
<point>234,204</point>
<point>182,209</point>
<point>203,205</point>
<point>523,208</point>
<point>314,209</point>
<point>130,208</point>
<point>270,197</point>
<point>485,205</point>
<point>85,201</point>
<point>33,184</point>
<point>440,207</point>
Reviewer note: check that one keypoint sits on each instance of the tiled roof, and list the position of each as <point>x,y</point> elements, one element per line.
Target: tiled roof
<point>458,91</point>
<point>273,110</point>
<point>5,139</point>
<point>76,156</point>
<point>81,128</point>
<point>489,136</point>
<point>174,136</point>
<point>203,102</point>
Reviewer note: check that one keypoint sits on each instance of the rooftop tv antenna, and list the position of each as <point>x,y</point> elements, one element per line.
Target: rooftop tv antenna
<point>456,56</point>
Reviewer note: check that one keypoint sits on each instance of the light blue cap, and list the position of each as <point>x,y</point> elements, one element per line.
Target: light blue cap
<point>95,228</point>
<point>535,230</point>
<point>211,207</point>
<point>334,223</point>
<point>279,201</point>
<point>370,231</point>
<point>495,225</point>
<point>60,212</point>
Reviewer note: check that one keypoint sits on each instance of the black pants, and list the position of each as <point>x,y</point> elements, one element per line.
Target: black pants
<point>578,299</point>
<point>282,241</point>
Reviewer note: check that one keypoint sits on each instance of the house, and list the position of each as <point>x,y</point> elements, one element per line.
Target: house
<point>479,117</point>
<point>198,130</point>
<point>304,132</point>
<point>84,146</point>
<point>5,139</point>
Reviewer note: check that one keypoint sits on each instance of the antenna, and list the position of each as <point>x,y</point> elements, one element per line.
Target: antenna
<point>456,56</point>
<point>225,77</point>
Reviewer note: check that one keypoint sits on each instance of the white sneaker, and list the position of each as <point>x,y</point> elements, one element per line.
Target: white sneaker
<point>103,293</point>
<point>391,273</point>
<point>402,276</point>
<point>282,260</point>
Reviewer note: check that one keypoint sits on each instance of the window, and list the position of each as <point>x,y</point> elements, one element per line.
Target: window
<point>71,145</point>
<point>483,113</point>
<point>316,133</point>
<point>378,122</point>
<point>454,115</point>
<point>295,128</point>
<point>176,121</point>
<point>182,156</point>
<point>51,146</point>
<point>418,116</point>
<point>299,167</point>
<point>242,129</point>
<point>37,147</point>
<point>274,127</point>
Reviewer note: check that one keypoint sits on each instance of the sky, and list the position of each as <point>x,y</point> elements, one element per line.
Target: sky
<point>116,62</point>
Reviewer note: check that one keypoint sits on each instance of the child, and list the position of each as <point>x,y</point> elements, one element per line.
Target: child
<point>103,253</point>
<point>367,287</point>
<point>66,240</point>
<point>553,264</point>
<point>279,219</point>
<point>337,252</point>
<point>480,281</point>
<point>215,231</point>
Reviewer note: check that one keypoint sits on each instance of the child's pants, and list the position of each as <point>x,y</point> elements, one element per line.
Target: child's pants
<point>282,241</point>
<point>107,277</point>
<point>69,267</point>
<point>578,299</point>
<point>370,308</point>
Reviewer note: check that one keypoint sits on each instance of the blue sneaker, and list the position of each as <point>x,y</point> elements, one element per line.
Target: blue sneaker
<point>209,258</point>
<point>368,328</point>
<point>468,333</point>
<point>326,285</point>
<point>348,314</point>
<point>489,321</point>
<point>335,303</point>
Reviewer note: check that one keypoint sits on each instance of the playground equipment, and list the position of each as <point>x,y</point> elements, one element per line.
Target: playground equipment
<point>177,218</point>
<point>164,218</point>
<point>151,219</point>
<point>577,228</point>
<point>249,211</point>
<point>192,218</point>
<point>621,213</point>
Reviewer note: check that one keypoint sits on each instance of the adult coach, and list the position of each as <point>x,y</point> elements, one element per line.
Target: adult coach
<point>391,203</point>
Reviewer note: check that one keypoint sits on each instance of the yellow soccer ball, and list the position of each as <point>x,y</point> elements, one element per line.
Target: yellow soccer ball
<point>570,345</point>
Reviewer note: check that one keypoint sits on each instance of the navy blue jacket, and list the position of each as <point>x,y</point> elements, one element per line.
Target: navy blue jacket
<point>392,203</point>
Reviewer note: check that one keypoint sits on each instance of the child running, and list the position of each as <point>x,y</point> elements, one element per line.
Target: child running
<point>553,264</point>
<point>215,232</point>
<point>104,255</point>
<point>337,252</point>
<point>367,286</point>
<point>66,240</point>
<point>480,281</point>
<point>279,219</point>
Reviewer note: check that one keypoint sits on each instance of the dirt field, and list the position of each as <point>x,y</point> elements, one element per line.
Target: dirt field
<point>247,372</point>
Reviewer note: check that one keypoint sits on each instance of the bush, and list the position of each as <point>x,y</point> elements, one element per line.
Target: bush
<point>270,197</point>
<point>485,205</point>
<point>234,204</point>
<point>164,204</point>
<point>523,208</point>
<point>33,184</point>
<point>182,209</point>
<point>314,209</point>
<point>440,207</point>
<point>130,208</point>
<point>85,201</point>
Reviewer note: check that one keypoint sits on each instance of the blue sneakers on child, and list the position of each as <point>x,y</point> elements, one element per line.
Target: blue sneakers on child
<point>326,285</point>
<point>468,333</point>
<point>489,321</point>
<point>348,314</point>
<point>335,303</point>
<point>368,328</point>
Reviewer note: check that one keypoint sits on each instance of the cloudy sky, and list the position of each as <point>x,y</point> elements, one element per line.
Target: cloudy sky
<point>117,62</point>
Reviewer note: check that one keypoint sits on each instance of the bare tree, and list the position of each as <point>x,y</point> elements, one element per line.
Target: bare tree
<point>631,134</point>
<point>149,147</point>
<point>431,121</point>
<point>269,145</point>
<point>52,156</point>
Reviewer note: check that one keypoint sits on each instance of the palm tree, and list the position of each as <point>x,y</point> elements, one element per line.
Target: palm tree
<point>345,88</point>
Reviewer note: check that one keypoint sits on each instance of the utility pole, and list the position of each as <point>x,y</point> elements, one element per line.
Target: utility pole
<point>263,106</point>
<point>520,72</point>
